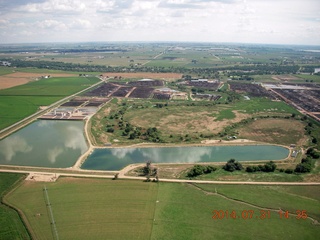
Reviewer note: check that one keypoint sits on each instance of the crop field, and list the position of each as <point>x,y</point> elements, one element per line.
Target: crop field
<point>51,87</point>
<point>12,79</point>
<point>15,108</point>
<point>120,209</point>
<point>10,222</point>
<point>21,101</point>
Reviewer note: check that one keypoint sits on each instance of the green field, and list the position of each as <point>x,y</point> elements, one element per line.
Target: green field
<point>5,70</point>
<point>106,209</point>
<point>63,86</point>
<point>11,226</point>
<point>89,208</point>
<point>185,212</point>
<point>21,101</point>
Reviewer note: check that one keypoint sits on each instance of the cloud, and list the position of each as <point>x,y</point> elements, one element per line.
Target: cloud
<point>55,6</point>
<point>193,4</point>
<point>51,24</point>
<point>160,20</point>
<point>13,145</point>
<point>6,5</point>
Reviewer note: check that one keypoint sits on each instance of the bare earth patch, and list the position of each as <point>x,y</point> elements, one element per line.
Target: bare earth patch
<point>284,77</point>
<point>42,177</point>
<point>144,75</point>
<point>186,122</point>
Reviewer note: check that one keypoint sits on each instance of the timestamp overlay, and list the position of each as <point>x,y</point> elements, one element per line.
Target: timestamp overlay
<point>249,214</point>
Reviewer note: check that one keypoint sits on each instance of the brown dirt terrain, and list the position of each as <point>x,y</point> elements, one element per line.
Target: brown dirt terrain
<point>19,78</point>
<point>144,75</point>
<point>98,127</point>
<point>282,131</point>
<point>284,77</point>
<point>186,122</point>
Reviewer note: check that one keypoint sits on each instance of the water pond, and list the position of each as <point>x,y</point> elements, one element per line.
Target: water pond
<point>117,158</point>
<point>44,143</point>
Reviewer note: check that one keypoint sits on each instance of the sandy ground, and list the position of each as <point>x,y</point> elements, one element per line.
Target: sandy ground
<point>42,177</point>
<point>19,78</point>
<point>227,142</point>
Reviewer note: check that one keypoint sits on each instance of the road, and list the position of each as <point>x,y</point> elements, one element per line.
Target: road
<point>122,176</point>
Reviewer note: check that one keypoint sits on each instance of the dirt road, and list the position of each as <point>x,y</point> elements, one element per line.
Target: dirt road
<point>163,180</point>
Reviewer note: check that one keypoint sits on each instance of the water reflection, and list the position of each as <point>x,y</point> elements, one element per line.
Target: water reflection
<point>121,153</point>
<point>45,143</point>
<point>54,153</point>
<point>73,136</point>
<point>116,159</point>
<point>14,145</point>
<point>183,154</point>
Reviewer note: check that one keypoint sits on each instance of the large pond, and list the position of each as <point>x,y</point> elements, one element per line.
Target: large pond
<point>45,143</point>
<point>117,158</point>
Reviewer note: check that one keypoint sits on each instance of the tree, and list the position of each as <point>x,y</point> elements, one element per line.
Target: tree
<point>232,165</point>
<point>250,169</point>
<point>116,176</point>
<point>270,166</point>
<point>305,166</point>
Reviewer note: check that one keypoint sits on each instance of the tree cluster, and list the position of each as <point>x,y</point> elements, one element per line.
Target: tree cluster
<point>268,167</point>
<point>198,170</point>
<point>232,165</point>
<point>305,166</point>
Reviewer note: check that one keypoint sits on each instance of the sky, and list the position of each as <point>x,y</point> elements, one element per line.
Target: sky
<point>239,21</point>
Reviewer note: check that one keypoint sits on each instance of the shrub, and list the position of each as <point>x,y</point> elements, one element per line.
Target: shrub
<point>289,171</point>
<point>198,170</point>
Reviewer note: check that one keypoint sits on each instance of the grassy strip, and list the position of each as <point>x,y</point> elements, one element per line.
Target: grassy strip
<point>10,221</point>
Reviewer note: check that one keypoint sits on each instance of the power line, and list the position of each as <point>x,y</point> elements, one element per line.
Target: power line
<point>53,223</point>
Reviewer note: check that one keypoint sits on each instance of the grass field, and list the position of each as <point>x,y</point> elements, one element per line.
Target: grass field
<point>106,209</point>
<point>279,131</point>
<point>11,226</point>
<point>5,70</point>
<point>184,212</point>
<point>21,101</point>
<point>89,208</point>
